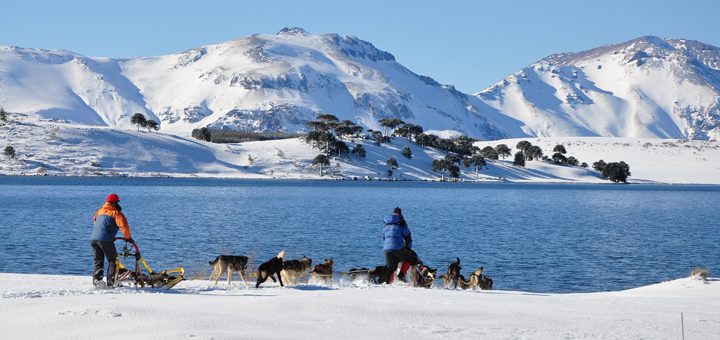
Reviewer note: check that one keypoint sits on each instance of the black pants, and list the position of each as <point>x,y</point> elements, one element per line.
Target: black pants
<point>392,257</point>
<point>101,251</point>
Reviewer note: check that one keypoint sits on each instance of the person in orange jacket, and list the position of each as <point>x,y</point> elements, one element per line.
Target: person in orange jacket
<point>108,220</point>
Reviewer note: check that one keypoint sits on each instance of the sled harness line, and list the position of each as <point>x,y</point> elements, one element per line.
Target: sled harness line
<point>322,269</point>
<point>357,271</point>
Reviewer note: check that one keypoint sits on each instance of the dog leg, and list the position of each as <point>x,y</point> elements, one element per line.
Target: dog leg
<point>220,272</point>
<point>212,276</point>
<point>243,278</point>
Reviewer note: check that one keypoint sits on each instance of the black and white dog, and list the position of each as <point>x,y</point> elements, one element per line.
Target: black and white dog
<point>272,267</point>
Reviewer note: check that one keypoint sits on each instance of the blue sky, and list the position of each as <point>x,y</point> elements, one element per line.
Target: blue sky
<point>469,44</point>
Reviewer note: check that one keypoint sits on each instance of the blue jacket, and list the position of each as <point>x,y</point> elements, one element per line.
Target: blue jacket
<point>108,221</point>
<point>394,233</point>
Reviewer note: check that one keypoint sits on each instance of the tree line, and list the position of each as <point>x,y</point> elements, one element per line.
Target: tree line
<point>330,134</point>
<point>235,136</point>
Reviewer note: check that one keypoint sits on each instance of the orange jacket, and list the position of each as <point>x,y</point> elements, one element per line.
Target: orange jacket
<point>107,221</point>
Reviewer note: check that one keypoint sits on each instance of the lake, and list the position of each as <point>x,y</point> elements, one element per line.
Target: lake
<point>550,238</point>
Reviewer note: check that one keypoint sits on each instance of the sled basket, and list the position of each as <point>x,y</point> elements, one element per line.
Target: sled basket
<point>164,279</point>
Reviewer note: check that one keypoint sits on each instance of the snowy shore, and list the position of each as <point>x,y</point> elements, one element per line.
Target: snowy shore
<point>66,307</point>
<point>56,149</point>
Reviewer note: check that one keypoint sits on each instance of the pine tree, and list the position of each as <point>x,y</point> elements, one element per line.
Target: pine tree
<point>320,161</point>
<point>407,153</point>
<point>533,153</point>
<point>559,158</point>
<point>599,165</point>
<point>502,150</point>
<point>440,164</point>
<point>523,146</point>
<point>139,120</point>
<point>519,160</point>
<point>151,125</point>
<point>360,151</point>
<point>489,153</point>
<point>477,161</point>
<point>572,161</point>
<point>392,163</point>
<point>616,172</point>
<point>9,151</point>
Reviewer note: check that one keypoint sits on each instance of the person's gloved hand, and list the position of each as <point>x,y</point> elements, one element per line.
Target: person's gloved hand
<point>130,240</point>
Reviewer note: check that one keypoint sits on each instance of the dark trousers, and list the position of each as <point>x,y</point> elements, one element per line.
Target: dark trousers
<point>392,257</point>
<point>101,251</point>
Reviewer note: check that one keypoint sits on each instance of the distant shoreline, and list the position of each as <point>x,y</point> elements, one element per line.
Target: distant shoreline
<point>362,180</point>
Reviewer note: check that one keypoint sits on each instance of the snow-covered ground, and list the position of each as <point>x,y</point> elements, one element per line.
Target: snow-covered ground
<point>49,148</point>
<point>67,307</point>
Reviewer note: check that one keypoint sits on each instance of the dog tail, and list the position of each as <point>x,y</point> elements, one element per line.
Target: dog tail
<point>281,255</point>
<point>213,262</point>
<point>458,262</point>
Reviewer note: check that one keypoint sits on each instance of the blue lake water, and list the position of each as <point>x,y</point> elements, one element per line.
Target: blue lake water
<point>555,238</point>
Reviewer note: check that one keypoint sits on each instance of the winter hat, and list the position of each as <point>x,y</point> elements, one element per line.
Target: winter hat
<point>113,198</point>
<point>397,211</point>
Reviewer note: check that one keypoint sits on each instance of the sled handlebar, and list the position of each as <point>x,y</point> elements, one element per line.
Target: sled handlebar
<point>137,250</point>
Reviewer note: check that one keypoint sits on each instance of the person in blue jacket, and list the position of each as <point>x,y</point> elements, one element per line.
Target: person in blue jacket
<point>398,242</point>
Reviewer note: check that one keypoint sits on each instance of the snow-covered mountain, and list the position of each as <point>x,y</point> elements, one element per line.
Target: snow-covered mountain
<point>648,87</point>
<point>255,83</point>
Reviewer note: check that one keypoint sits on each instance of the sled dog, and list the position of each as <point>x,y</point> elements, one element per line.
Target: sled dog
<point>463,283</point>
<point>380,275</point>
<point>293,270</point>
<point>425,276</point>
<point>359,274</point>
<point>230,264</point>
<point>453,274</point>
<point>323,271</point>
<point>268,269</point>
<point>476,279</point>
<point>486,283</point>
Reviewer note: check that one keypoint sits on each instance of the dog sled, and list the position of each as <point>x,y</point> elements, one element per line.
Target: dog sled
<point>164,279</point>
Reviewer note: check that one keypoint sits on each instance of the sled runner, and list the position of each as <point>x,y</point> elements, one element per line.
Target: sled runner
<point>152,279</point>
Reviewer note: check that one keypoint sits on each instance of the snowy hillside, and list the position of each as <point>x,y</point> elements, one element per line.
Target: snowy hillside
<point>646,88</point>
<point>256,83</point>
<point>51,148</point>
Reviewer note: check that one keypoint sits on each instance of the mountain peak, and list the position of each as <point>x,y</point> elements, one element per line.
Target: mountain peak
<point>291,31</point>
<point>659,42</point>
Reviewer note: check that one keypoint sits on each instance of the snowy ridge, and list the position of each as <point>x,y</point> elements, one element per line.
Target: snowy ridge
<point>646,88</point>
<point>256,83</point>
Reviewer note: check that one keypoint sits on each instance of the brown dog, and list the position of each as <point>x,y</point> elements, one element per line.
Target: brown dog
<point>453,273</point>
<point>476,279</point>
<point>323,270</point>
